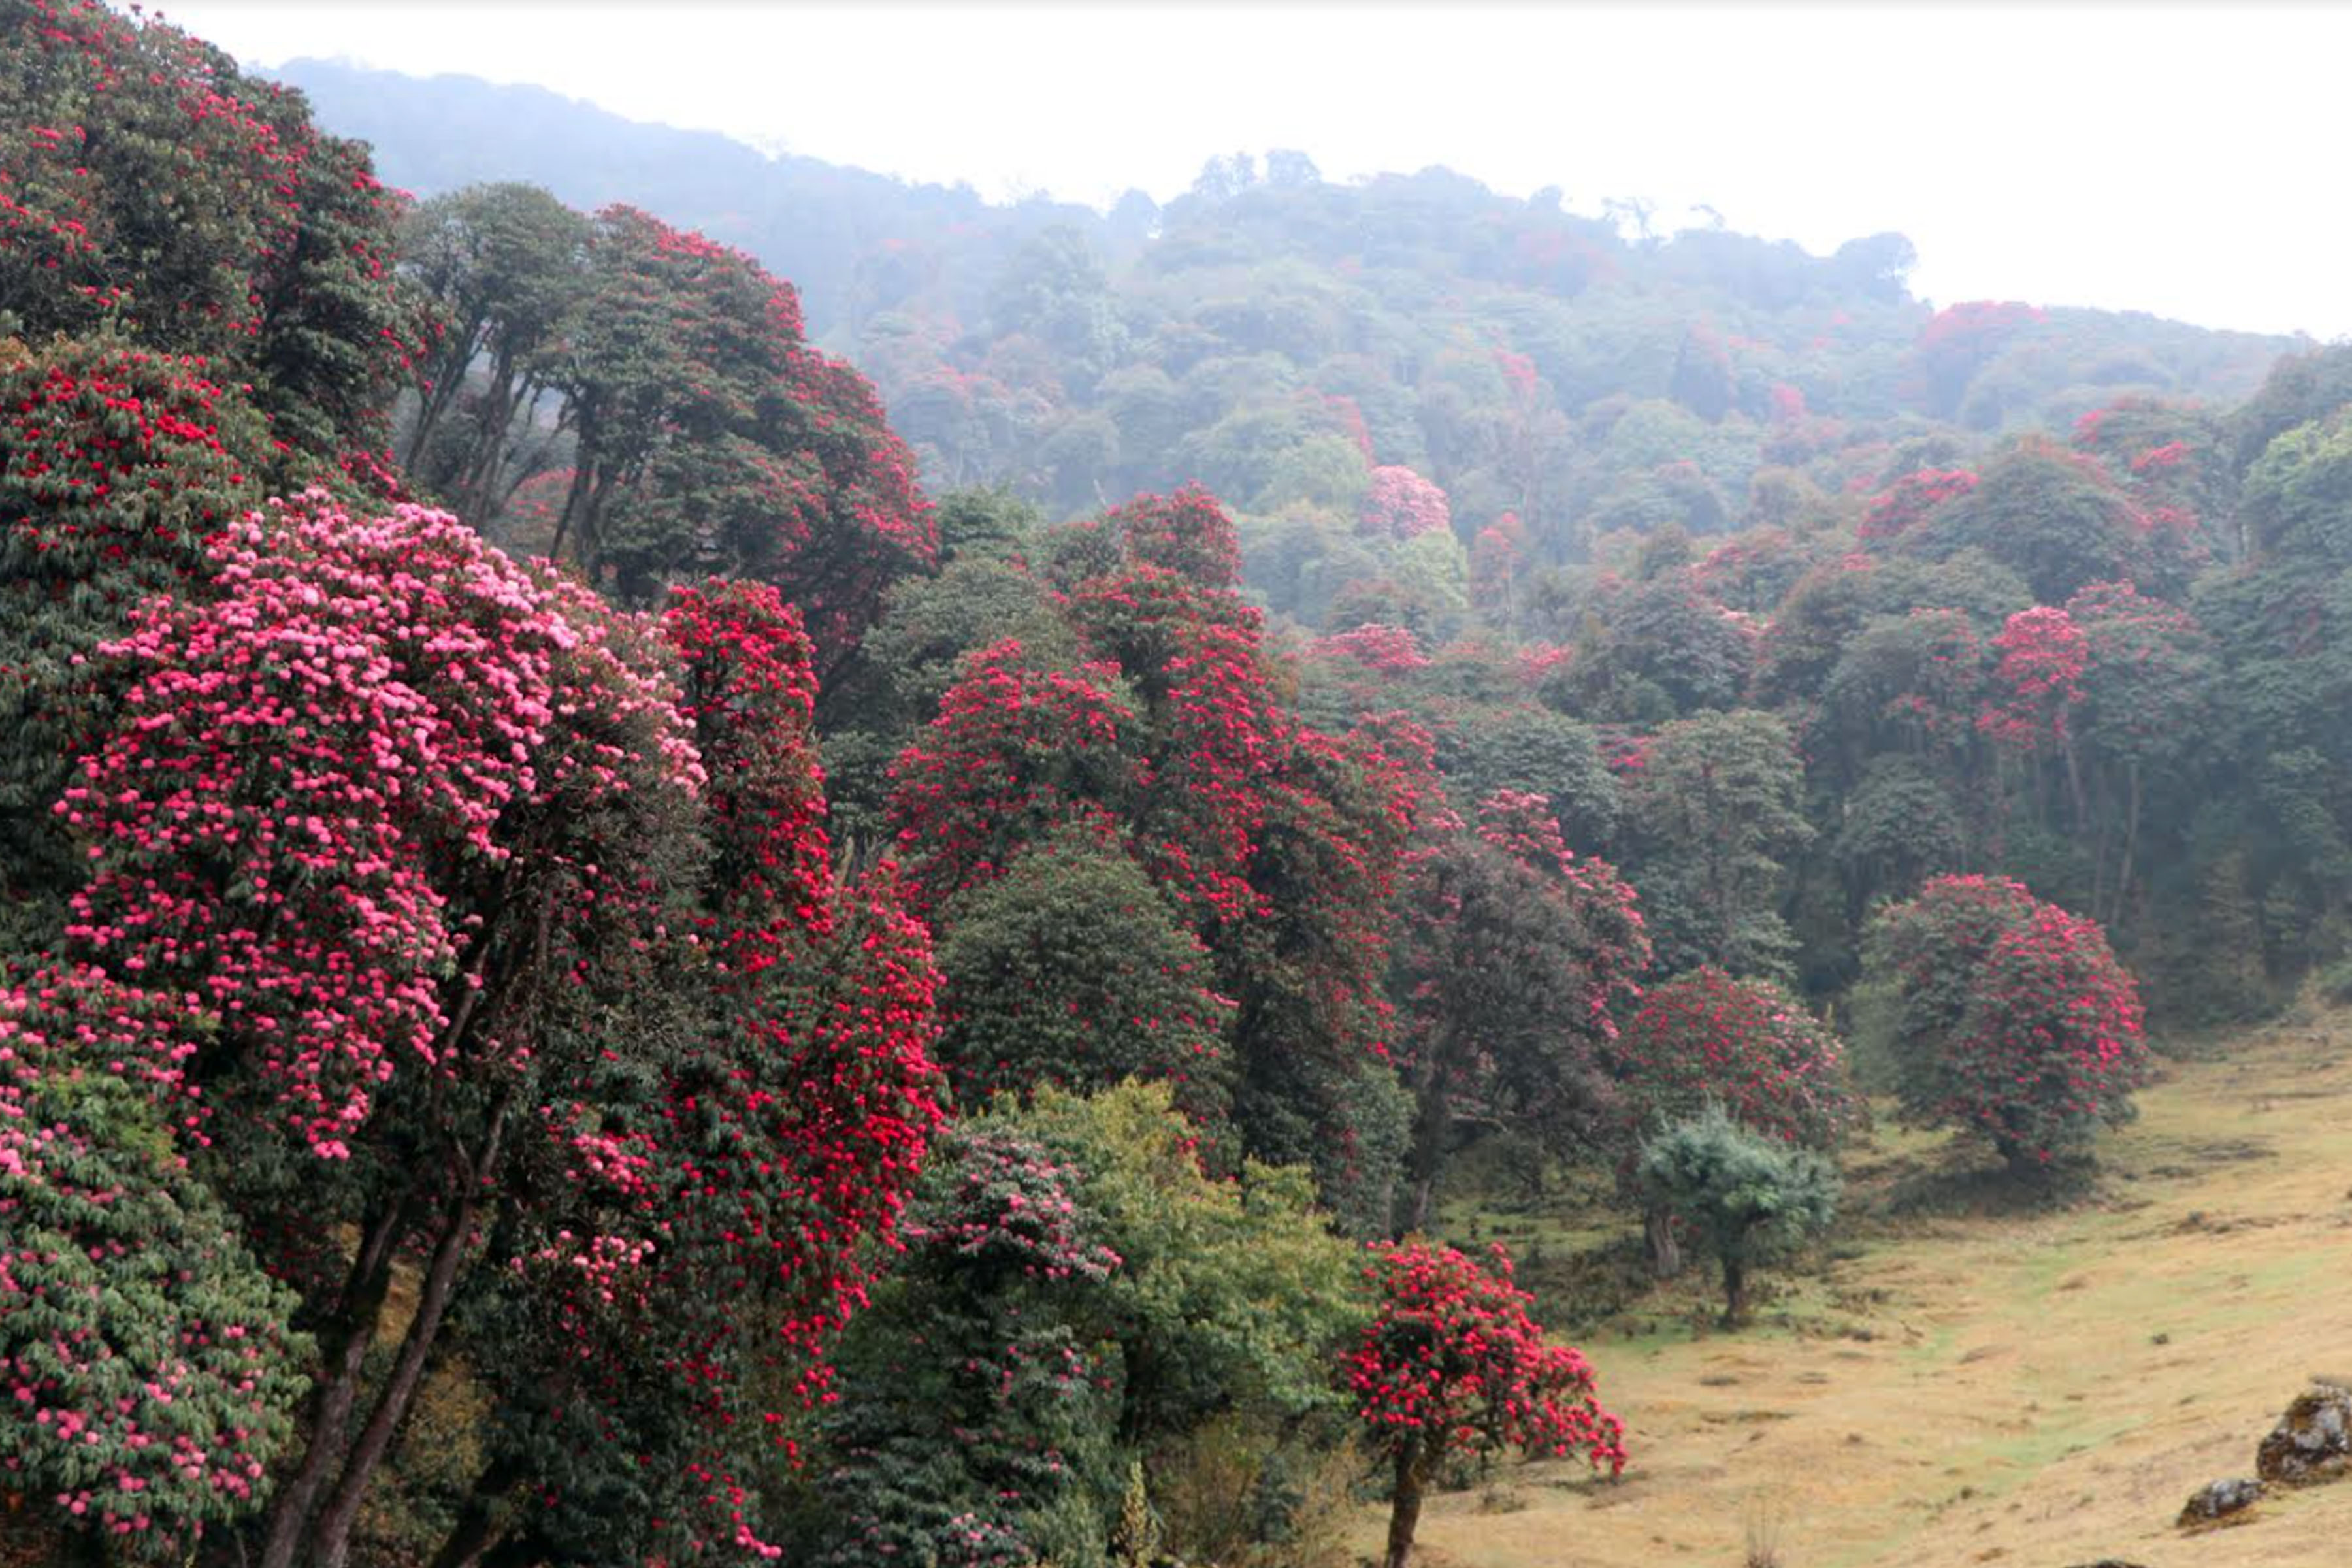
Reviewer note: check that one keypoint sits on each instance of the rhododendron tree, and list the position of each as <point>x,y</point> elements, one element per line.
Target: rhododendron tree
<point>1749,1046</point>
<point>953,1455</point>
<point>153,185</point>
<point>1958,341</point>
<point>1498,557</point>
<point>151,1375</point>
<point>1452,1365</point>
<point>1383,651</point>
<point>397,812</point>
<point>1277,843</point>
<point>1401,504</point>
<point>1013,751</point>
<point>117,468</point>
<point>712,1200</point>
<point>1899,508</point>
<point>1512,955</point>
<point>2011,1017</point>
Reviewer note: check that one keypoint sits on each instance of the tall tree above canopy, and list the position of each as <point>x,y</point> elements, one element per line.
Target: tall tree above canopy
<point>504,271</point>
<point>154,185</point>
<point>708,436</point>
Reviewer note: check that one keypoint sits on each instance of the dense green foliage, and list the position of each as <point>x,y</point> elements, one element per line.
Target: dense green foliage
<point>1082,1294</point>
<point>1749,1198</point>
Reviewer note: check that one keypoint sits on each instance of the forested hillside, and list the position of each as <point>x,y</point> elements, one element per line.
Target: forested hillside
<point>653,918</point>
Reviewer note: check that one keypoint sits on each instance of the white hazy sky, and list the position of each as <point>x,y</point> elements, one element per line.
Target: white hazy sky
<point>2183,160</point>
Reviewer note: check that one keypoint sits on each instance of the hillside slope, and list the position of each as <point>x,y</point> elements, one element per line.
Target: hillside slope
<point>1280,336</point>
<point>2030,1390</point>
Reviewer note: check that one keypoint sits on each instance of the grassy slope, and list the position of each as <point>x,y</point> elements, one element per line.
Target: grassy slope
<point>1966,1386</point>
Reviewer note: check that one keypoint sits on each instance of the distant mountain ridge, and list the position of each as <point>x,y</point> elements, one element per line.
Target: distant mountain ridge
<point>1279,336</point>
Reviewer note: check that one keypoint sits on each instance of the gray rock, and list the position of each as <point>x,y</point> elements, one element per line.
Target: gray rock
<point>2218,1501</point>
<point>2312,1441</point>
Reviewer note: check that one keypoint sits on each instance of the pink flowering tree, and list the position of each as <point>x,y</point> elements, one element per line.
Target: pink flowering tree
<point>1452,1365</point>
<point>149,1373</point>
<point>1401,504</point>
<point>394,814</point>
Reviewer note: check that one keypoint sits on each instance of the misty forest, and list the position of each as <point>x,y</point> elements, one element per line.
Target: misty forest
<point>706,857</point>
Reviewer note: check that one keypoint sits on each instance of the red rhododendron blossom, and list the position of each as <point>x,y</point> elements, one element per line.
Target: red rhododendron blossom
<point>1452,1364</point>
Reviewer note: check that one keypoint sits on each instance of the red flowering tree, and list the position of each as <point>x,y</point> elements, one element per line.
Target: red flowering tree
<point>1513,954</point>
<point>1897,509</point>
<point>1401,504</point>
<point>1498,557</point>
<point>1452,1363</point>
<point>1383,651</point>
<point>2011,1017</point>
<point>1013,751</point>
<point>2039,680</point>
<point>118,468</point>
<point>1958,341</point>
<point>153,185</point>
<point>713,1199</point>
<point>1187,533</point>
<point>1747,1044</point>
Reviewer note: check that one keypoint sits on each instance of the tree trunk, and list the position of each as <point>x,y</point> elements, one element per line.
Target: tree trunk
<point>1405,1512</point>
<point>1735,1293</point>
<point>2131,842</point>
<point>1432,1122</point>
<point>1665,1253</point>
<point>332,1540</point>
<point>331,1406</point>
<point>476,1529</point>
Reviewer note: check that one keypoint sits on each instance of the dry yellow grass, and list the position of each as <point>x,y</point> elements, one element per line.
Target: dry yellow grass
<point>2038,1389</point>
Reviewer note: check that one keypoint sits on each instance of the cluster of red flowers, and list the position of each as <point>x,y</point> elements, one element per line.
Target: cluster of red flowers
<point>1452,1363</point>
<point>2017,1020</point>
<point>2042,655</point>
<point>1898,510</point>
<point>1401,504</point>
<point>1745,1043</point>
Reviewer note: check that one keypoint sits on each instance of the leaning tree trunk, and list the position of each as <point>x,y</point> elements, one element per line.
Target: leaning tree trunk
<point>1432,1123</point>
<point>1405,1512</point>
<point>1666,1252</point>
<point>348,1344</point>
<point>330,1543</point>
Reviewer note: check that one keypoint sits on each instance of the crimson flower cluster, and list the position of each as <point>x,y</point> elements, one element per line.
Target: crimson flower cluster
<point>1452,1363</point>
<point>2015,1019</point>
